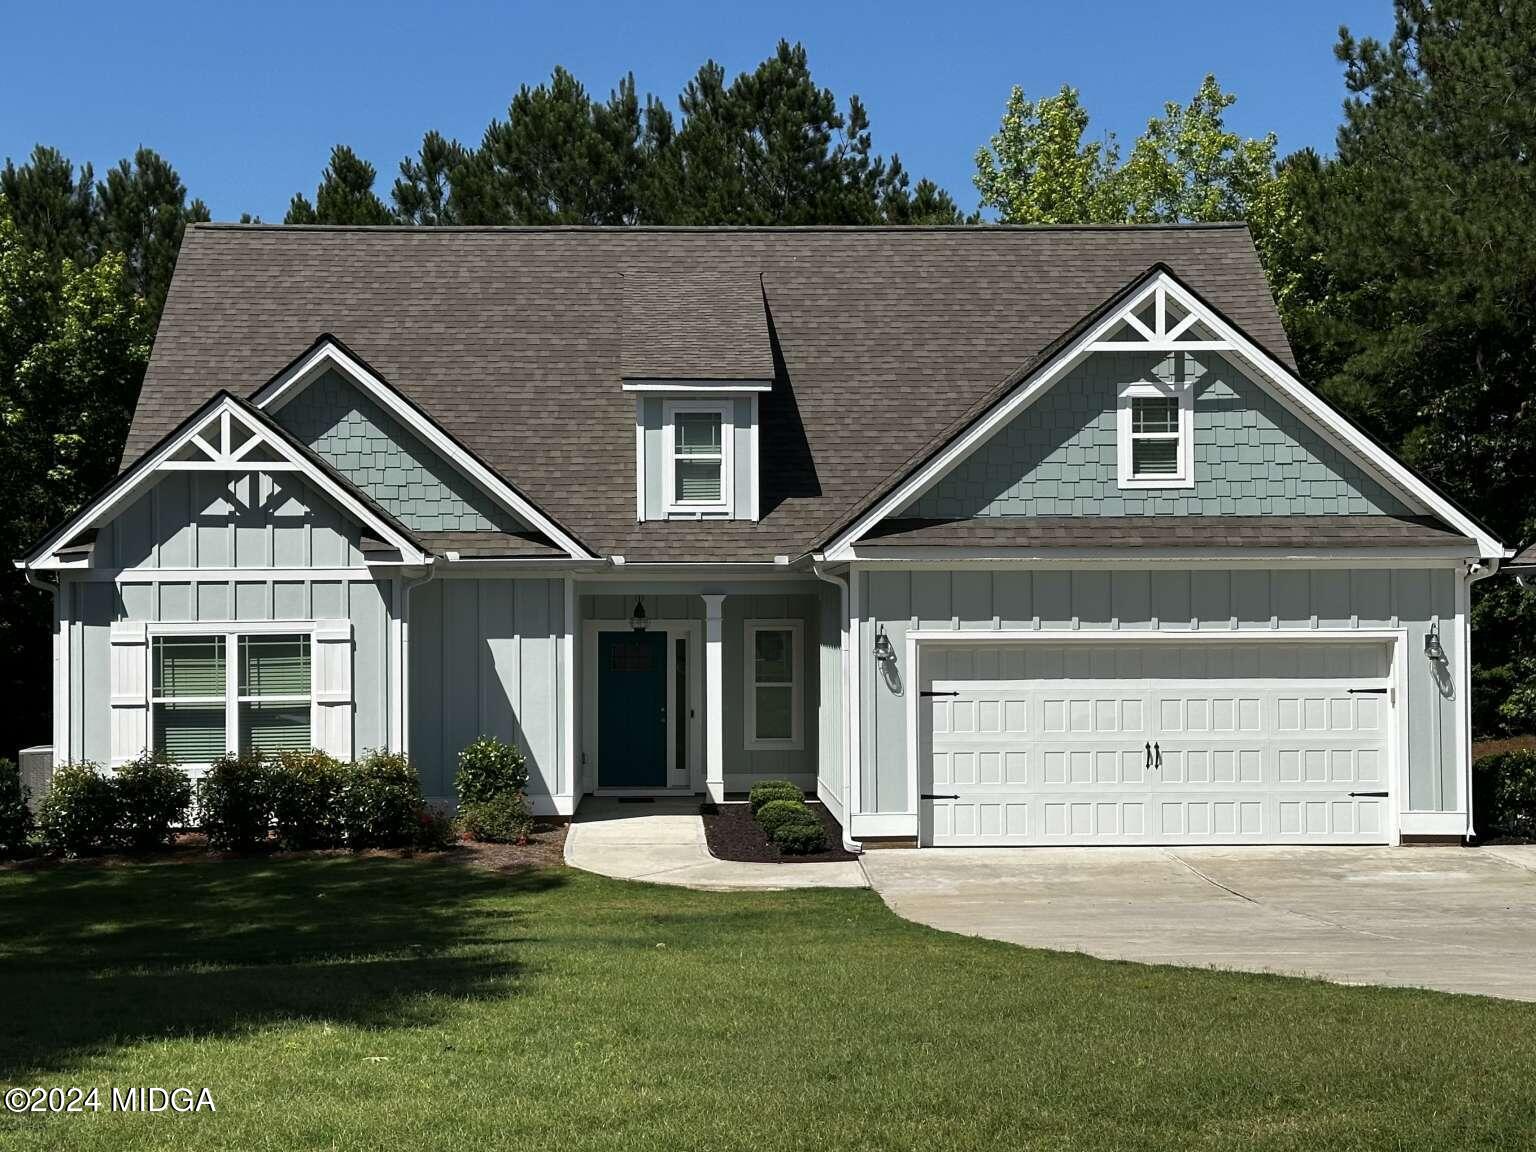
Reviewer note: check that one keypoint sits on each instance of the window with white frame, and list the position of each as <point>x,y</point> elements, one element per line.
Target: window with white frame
<point>1156,434</point>
<point>229,692</point>
<point>774,684</point>
<point>696,461</point>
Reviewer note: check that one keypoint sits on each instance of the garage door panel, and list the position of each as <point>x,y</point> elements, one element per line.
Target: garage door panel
<point>1155,743</point>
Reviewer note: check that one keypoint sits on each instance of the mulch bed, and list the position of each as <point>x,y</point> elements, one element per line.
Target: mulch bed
<point>545,848</point>
<point>1481,748</point>
<point>733,835</point>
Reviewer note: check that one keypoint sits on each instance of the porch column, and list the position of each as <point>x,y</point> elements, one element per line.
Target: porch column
<point>714,700</point>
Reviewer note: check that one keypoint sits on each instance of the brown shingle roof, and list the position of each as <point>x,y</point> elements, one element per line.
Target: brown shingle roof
<point>513,340</point>
<point>695,326</point>
<point>1204,532</point>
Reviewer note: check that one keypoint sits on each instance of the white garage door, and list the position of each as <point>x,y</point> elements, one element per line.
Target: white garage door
<point>1154,743</point>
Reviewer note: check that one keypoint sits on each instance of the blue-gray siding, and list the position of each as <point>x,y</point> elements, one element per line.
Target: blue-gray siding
<point>386,460</point>
<point>486,660</point>
<point>1252,456</point>
<point>1125,601</point>
<point>215,520</point>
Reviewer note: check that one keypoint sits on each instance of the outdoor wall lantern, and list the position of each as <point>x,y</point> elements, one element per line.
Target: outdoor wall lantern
<point>637,617</point>
<point>1432,647</point>
<point>884,649</point>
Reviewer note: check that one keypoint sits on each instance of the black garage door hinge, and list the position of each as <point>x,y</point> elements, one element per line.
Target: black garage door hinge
<point>1366,691</point>
<point>940,796</point>
<point>1367,793</point>
<point>931,692</point>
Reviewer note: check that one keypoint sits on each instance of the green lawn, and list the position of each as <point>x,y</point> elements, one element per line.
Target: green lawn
<point>423,1004</point>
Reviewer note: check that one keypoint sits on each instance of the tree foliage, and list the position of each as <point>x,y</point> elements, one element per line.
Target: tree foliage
<point>345,195</point>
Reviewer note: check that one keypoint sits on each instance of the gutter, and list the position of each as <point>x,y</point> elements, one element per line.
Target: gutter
<point>847,653</point>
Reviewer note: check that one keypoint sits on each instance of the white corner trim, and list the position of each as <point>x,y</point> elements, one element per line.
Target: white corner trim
<point>226,411</point>
<point>639,459</point>
<point>755,471</point>
<point>697,387</point>
<point>1432,823</point>
<point>726,505</point>
<point>796,740</point>
<point>328,355</point>
<point>1314,411</point>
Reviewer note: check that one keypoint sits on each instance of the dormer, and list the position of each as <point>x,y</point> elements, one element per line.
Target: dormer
<point>697,357</point>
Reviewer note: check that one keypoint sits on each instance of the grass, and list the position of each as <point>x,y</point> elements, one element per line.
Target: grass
<point>421,1004</point>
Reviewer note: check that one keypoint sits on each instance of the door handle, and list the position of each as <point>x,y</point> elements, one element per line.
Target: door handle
<point>1149,757</point>
<point>1157,756</point>
<point>941,796</point>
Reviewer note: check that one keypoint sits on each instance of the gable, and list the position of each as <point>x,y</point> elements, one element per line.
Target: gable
<point>367,445</point>
<point>1252,455</point>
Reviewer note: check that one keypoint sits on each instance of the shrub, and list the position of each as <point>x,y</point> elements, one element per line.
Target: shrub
<point>234,802</point>
<point>78,813</point>
<point>381,802</point>
<point>777,813</point>
<point>770,790</point>
<point>1504,794</point>
<point>152,799</point>
<point>15,816</point>
<point>800,839</point>
<point>503,819</point>
<point>306,799</point>
<point>489,768</point>
<point>435,830</point>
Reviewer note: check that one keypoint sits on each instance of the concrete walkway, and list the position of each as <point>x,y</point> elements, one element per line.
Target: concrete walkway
<point>663,843</point>
<point>1454,919</point>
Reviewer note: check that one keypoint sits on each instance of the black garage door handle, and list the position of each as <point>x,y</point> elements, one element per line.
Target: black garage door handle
<point>940,796</point>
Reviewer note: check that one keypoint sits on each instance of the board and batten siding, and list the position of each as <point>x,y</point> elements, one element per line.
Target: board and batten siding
<point>743,768</point>
<point>1252,455</point>
<point>90,607</point>
<point>1122,602</point>
<point>215,520</point>
<point>487,660</point>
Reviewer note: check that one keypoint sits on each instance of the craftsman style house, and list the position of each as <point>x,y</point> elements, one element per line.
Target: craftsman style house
<point>987,536</point>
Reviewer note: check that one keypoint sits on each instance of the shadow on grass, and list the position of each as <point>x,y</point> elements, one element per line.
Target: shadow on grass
<point>92,958</point>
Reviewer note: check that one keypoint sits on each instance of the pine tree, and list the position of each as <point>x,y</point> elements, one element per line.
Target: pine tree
<point>345,195</point>
<point>423,190</point>
<point>143,211</point>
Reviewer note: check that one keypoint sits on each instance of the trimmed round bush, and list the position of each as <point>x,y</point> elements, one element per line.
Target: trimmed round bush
<point>777,813</point>
<point>306,799</point>
<point>800,839</point>
<point>78,813</point>
<point>770,790</point>
<point>15,816</point>
<point>153,796</point>
<point>381,802</point>
<point>234,802</point>
<point>489,768</point>
<point>503,819</point>
<point>1504,794</point>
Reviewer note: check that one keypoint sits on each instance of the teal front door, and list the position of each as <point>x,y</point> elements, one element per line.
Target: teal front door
<point>632,709</point>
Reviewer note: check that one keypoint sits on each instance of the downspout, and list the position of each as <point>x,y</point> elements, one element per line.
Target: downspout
<point>845,644</point>
<point>1475,571</point>
<point>408,584</point>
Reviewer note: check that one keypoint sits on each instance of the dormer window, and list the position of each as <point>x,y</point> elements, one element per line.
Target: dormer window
<point>696,468</point>
<point>1156,435</point>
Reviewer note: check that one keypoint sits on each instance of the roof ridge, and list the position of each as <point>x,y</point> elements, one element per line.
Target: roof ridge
<point>737,229</point>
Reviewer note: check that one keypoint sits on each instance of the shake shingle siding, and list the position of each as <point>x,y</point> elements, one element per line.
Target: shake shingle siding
<point>513,340</point>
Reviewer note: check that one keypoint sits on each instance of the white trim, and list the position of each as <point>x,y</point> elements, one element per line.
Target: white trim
<point>829,797</point>
<point>328,355</point>
<point>1432,823</point>
<point>925,555</point>
<point>755,472</point>
<point>671,507</point>
<point>796,741</point>
<point>143,473</point>
<point>639,460</point>
<point>698,387</point>
<point>568,689</point>
<point>1396,680</point>
<point>714,697</point>
<point>1182,391</point>
<point>863,825</point>
<point>855,765</point>
<point>1311,408</point>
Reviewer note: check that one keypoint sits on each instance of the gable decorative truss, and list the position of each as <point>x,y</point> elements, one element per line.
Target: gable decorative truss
<point>1160,314</point>
<point>228,436</point>
<point>330,354</point>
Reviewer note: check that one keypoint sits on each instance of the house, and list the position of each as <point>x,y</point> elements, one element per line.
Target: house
<point>987,536</point>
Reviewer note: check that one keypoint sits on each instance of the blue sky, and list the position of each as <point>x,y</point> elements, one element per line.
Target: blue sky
<point>246,101</point>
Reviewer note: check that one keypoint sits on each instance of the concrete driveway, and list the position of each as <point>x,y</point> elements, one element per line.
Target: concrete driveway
<point>1455,919</point>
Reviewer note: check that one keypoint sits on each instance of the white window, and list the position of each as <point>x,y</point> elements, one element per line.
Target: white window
<point>773,684</point>
<point>229,692</point>
<point>696,457</point>
<point>1156,436</point>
